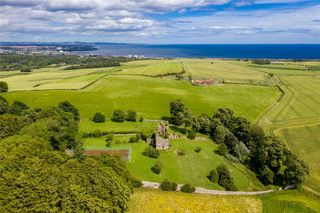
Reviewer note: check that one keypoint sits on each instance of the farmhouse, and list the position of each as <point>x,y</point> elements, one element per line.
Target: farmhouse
<point>202,82</point>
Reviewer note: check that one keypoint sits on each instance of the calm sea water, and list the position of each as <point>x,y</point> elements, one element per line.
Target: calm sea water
<point>272,51</point>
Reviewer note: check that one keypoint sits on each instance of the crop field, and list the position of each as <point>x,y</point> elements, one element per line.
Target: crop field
<point>305,141</point>
<point>229,71</point>
<point>154,69</point>
<point>289,202</point>
<point>53,78</point>
<point>144,200</point>
<point>191,168</point>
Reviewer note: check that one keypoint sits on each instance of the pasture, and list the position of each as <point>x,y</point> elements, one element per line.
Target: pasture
<point>191,168</point>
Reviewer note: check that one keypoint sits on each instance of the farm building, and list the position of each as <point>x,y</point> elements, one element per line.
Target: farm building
<point>202,82</point>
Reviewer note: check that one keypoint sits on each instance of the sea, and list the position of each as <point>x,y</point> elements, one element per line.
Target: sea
<point>232,51</point>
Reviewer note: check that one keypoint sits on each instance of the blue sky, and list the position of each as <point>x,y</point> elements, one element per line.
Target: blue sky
<point>161,21</point>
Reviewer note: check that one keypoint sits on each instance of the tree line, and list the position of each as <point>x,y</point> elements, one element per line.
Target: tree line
<point>26,63</point>
<point>245,143</point>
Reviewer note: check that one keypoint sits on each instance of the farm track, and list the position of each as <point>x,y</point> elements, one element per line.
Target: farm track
<point>315,139</point>
<point>201,190</point>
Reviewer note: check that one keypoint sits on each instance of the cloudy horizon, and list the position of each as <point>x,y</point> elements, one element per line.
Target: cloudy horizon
<point>162,21</point>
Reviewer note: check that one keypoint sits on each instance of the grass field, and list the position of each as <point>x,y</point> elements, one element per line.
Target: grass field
<point>153,68</point>
<point>148,200</point>
<point>190,168</point>
<point>150,97</point>
<point>305,141</point>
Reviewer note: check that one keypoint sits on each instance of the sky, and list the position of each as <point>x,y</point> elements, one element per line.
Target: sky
<point>162,21</point>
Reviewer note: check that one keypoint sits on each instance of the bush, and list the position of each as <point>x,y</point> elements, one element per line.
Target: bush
<point>191,135</point>
<point>224,178</point>
<point>134,139</point>
<point>131,116</point>
<point>25,70</point>
<point>222,149</point>
<point>261,61</point>
<point>118,116</point>
<point>99,118</point>
<point>4,105</point>
<point>187,188</point>
<point>157,167</point>
<point>166,185</point>
<point>109,137</point>
<point>3,86</point>
<point>213,176</point>
<point>181,152</point>
<point>151,152</point>
<point>136,183</point>
<point>66,106</point>
<point>17,107</point>
<point>197,149</point>
<point>141,119</point>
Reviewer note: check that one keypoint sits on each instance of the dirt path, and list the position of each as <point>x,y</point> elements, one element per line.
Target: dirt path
<point>200,190</point>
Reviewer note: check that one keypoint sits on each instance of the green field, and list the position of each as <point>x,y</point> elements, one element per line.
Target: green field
<point>293,116</point>
<point>150,97</point>
<point>153,68</point>
<point>305,141</point>
<point>191,168</point>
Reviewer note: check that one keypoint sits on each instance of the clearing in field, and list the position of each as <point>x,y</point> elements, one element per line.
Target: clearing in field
<point>144,200</point>
<point>191,168</point>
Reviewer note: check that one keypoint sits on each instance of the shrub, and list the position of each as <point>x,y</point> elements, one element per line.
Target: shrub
<point>187,188</point>
<point>25,70</point>
<point>3,86</point>
<point>181,152</point>
<point>4,105</point>
<point>99,118</point>
<point>131,116</point>
<point>197,149</point>
<point>261,61</point>
<point>134,139</point>
<point>213,176</point>
<point>157,167</point>
<point>118,116</point>
<point>109,137</point>
<point>222,149</point>
<point>151,152</point>
<point>166,185</point>
<point>66,106</point>
<point>136,183</point>
<point>224,178</point>
<point>96,133</point>
<point>191,135</point>
<point>17,107</point>
<point>141,119</point>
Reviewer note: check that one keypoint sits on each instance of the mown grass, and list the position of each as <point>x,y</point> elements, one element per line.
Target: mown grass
<point>156,201</point>
<point>191,168</point>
